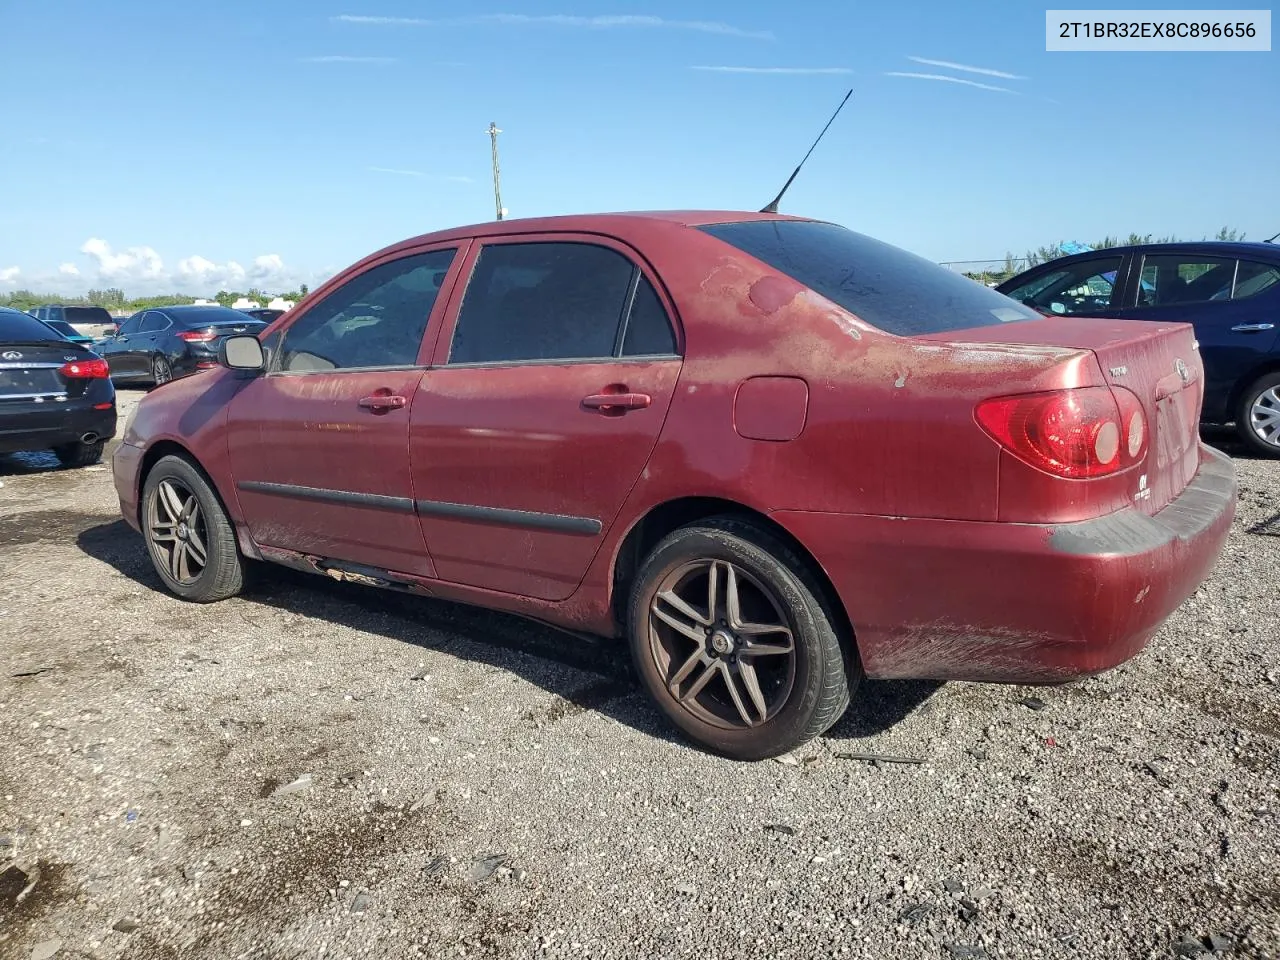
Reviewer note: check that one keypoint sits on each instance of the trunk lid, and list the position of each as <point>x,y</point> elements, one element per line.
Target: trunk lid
<point>1157,362</point>
<point>29,370</point>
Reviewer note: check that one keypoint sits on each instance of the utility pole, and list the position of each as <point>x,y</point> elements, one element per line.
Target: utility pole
<point>497,184</point>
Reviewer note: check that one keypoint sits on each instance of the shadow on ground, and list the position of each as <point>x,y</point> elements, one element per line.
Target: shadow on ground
<point>534,651</point>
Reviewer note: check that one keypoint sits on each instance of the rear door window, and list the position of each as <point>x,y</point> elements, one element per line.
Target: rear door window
<point>1175,279</point>
<point>153,322</point>
<point>551,300</point>
<point>1253,278</point>
<point>86,315</point>
<point>885,286</point>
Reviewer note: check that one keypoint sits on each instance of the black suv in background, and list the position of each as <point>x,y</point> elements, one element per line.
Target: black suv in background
<point>155,346</point>
<point>54,394</point>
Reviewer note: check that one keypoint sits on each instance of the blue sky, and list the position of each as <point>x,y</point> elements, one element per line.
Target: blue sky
<point>157,145</point>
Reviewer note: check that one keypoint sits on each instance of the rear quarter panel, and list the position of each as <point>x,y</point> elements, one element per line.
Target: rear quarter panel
<point>889,428</point>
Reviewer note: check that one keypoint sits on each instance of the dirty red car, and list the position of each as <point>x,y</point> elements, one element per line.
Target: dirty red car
<point>773,454</point>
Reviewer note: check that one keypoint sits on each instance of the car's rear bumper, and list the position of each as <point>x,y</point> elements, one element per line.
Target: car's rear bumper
<point>40,426</point>
<point>126,463</point>
<point>943,599</point>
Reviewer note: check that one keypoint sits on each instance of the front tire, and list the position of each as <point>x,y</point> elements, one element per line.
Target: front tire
<point>733,640</point>
<point>79,454</point>
<point>1258,418</point>
<point>190,539</point>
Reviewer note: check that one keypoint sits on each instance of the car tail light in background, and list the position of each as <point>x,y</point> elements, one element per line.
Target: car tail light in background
<point>94,368</point>
<point>197,336</point>
<point>1078,434</point>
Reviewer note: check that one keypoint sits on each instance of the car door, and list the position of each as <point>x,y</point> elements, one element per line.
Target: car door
<point>1090,287</point>
<point>1231,303</point>
<point>116,350</point>
<point>319,444</point>
<point>548,395</point>
<point>149,341</point>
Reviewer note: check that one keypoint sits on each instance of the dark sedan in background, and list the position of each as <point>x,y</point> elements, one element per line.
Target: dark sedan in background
<point>54,394</point>
<point>1229,292</point>
<point>156,346</point>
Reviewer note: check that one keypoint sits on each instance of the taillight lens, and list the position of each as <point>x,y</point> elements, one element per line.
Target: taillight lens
<point>196,336</point>
<point>1078,433</point>
<point>91,369</point>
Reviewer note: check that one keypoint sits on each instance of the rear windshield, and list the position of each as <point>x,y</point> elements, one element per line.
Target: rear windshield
<point>213,317</point>
<point>17,327</point>
<point>86,315</point>
<point>898,292</point>
<point>64,328</point>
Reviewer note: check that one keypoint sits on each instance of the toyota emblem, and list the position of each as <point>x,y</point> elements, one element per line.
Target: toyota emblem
<point>1183,372</point>
<point>11,355</point>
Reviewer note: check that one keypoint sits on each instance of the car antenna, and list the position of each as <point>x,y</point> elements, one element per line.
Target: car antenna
<point>773,206</point>
<point>1272,239</point>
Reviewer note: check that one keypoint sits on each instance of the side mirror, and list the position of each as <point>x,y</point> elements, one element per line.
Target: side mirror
<point>241,353</point>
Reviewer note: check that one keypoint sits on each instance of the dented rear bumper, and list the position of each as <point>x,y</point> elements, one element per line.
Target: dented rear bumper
<point>1025,603</point>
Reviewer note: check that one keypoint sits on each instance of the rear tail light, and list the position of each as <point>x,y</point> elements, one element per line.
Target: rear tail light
<point>91,369</point>
<point>1077,434</point>
<point>196,336</point>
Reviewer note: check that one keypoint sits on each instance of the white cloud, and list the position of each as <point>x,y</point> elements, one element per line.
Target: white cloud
<point>399,173</point>
<point>135,263</point>
<point>267,267</point>
<point>69,270</point>
<point>202,274</point>
<point>788,71</point>
<point>564,20</point>
<point>9,275</point>
<point>963,68</point>
<point>345,59</point>
<point>945,79</point>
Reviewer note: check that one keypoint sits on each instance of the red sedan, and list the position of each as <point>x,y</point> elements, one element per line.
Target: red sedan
<point>774,454</point>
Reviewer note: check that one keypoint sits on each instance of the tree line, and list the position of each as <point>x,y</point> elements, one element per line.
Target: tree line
<point>114,299</point>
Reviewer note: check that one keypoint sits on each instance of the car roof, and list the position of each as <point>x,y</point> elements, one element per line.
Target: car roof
<point>609,224</point>
<point>1228,248</point>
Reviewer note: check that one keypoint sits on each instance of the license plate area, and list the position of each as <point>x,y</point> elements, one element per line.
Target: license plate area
<point>29,383</point>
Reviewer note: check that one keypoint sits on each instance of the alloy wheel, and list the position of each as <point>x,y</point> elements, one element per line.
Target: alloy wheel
<point>1264,416</point>
<point>176,529</point>
<point>161,371</point>
<point>723,645</point>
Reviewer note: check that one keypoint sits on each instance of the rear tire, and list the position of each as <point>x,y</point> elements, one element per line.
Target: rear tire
<point>1258,417</point>
<point>190,539</point>
<point>79,454</point>
<point>733,639</point>
<point>161,371</point>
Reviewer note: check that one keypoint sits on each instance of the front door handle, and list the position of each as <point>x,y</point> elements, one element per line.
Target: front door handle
<point>615,403</point>
<point>1253,327</point>
<point>382,402</point>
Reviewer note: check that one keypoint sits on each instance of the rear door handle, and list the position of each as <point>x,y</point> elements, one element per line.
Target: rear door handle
<point>610,402</point>
<point>381,403</point>
<point>1253,327</point>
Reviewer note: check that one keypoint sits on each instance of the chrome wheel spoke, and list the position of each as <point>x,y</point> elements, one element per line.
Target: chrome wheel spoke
<point>699,656</point>
<point>682,618</point>
<point>177,560</point>
<point>195,547</point>
<point>713,591</point>
<point>766,650</point>
<point>711,670</point>
<point>736,696</point>
<point>170,501</point>
<point>751,683</point>
<point>164,532</point>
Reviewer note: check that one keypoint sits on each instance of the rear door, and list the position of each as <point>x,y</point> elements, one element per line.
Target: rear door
<point>1232,305</point>
<point>319,445</point>
<point>116,350</point>
<point>547,398</point>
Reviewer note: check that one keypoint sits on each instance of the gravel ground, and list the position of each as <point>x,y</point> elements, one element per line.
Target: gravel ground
<point>322,770</point>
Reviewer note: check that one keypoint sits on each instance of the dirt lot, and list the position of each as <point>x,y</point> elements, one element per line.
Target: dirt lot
<point>321,770</point>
